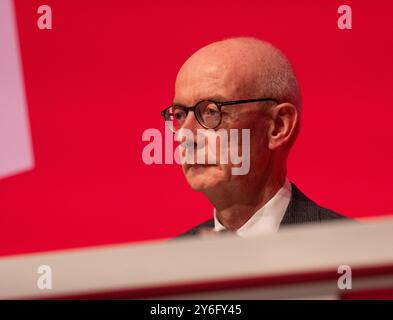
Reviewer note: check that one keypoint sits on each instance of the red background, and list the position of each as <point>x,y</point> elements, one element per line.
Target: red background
<point>101,76</point>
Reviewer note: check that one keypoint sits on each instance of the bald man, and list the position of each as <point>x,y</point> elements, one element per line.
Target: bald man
<point>244,83</point>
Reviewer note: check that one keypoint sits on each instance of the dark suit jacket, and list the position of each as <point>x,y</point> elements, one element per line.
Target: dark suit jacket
<point>300,210</point>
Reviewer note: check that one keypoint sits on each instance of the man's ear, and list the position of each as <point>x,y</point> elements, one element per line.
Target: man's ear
<point>284,125</point>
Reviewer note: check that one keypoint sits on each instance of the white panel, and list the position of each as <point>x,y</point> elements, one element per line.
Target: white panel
<point>15,146</point>
<point>304,249</point>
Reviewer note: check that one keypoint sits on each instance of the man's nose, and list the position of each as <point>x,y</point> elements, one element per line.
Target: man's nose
<point>191,123</point>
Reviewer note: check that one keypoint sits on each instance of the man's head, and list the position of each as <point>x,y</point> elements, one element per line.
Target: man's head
<point>237,69</point>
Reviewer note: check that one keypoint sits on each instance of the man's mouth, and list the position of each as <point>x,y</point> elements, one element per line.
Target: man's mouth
<point>199,167</point>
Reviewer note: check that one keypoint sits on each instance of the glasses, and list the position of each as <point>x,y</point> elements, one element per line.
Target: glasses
<point>207,112</point>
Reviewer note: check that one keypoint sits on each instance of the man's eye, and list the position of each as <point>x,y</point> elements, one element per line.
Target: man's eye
<point>179,115</point>
<point>211,112</point>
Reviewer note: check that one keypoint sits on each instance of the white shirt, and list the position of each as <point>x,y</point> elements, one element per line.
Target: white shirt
<point>268,218</point>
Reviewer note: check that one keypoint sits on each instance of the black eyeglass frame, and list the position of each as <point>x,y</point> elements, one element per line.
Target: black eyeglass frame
<point>219,104</point>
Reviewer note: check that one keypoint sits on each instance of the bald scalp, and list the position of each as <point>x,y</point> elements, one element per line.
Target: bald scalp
<point>257,68</point>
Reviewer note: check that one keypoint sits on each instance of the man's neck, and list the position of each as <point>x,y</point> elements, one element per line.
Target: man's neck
<point>235,205</point>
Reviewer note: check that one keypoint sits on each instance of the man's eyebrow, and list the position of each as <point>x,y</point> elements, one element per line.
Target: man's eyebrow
<point>216,97</point>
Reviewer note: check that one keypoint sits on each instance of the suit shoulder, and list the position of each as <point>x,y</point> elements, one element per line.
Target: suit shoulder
<point>327,214</point>
<point>301,209</point>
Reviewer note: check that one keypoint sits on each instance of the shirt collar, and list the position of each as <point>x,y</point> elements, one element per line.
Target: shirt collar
<point>268,218</point>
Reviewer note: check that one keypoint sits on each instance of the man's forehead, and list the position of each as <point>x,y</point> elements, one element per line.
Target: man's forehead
<point>232,69</point>
<point>201,69</point>
<point>215,80</point>
<point>203,89</point>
